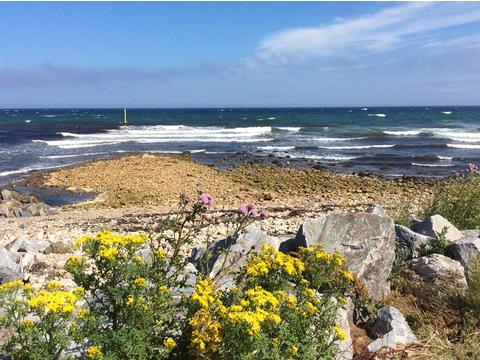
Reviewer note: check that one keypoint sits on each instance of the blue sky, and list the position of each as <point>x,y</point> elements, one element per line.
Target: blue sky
<point>239,54</point>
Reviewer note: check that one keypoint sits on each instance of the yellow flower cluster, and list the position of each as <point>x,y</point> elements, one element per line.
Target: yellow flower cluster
<point>320,254</point>
<point>94,352</point>
<point>206,330</point>
<point>271,260</point>
<point>12,285</point>
<point>141,282</point>
<point>169,343</point>
<point>257,306</point>
<point>110,243</point>
<point>340,333</point>
<point>53,301</point>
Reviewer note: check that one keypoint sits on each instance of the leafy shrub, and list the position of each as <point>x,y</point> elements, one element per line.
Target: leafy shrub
<point>437,246</point>
<point>474,285</point>
<point>131,301</point>
<point>457,199</point>
<point>401,215</point>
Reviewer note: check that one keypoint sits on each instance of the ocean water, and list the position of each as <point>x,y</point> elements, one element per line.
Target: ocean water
<point>425,141</point>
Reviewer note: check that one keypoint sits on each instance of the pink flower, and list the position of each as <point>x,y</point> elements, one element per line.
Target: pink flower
<point>253,211</point>
<point>243,209</point>
<point>263,214</point>
<point>206,199</point>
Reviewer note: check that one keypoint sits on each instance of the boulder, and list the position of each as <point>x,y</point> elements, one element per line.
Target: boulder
<point>9,269</point>
<point>23,244</point>
<point>434,225</point>
<point>439,269</point>
<point>392,330</point>
<point>367,241</point>
<point>465,251</point>
<point>409,242</point>
<point>230,254</point>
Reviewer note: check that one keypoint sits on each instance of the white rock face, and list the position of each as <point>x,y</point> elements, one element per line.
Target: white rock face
<point>438,269</point>
<point>434,226</point>
<point>409,242</point>
<point>392,329</point>
<point>344,347</point>
<point>367,241</point>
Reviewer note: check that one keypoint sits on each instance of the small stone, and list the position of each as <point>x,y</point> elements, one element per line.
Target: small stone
<point>57,247</point>
<point>392,330</point>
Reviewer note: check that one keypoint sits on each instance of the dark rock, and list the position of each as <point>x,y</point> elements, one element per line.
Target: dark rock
<point>465,251</point>
<point>434,225</point>
<point>409,243</point>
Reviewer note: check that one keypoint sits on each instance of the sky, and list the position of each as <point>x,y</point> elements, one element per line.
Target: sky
<point>239,54</point>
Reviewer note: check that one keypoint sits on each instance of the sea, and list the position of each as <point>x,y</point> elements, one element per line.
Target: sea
<point>394,141</point>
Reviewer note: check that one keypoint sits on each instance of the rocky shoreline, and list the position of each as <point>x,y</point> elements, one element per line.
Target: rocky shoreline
<point>306,207</point>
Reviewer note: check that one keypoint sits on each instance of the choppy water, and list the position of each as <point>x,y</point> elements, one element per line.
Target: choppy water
<point>395,140</point>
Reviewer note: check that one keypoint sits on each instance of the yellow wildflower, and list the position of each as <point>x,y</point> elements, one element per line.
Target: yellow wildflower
<point>94,352</point>
<point>130,300</point>
<point>11,285</point>
<point>109,253</point>
<point>54,301</point>
<point>341,335</point>
<point>169,343</point>
<point>141,282</point>
<point>293,350</point>
<point>82,313</point>
<point>28,323</point>
<point>74,261</point>
<point>28,287</point>
<point>347,275</point>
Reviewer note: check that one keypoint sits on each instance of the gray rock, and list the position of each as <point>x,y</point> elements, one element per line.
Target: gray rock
<point>392,330</point>
<point>377,210</point>
<point>9,269</point>
<point>409,242</point>
<point>434,225</point>
<point>25,245</point>
<point>367,241</point>
<point>439,269</point>
<point>343,320</point>
<point>235,251</point>
<point>7,195</point>
<point>7,275</point>
<point>465,251</point>
<point>57,247</point>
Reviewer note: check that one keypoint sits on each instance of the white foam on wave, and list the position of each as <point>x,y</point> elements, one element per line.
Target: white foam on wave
<point>27,169</point>
<point>197,151</point>
<point>28,121</point>
<point>271,118</point>
<point>328,139</point>
<point>402,132</point>
<point>463,146</point>
<point>446,112</point>
<point>444,157</point>
<point>377,115</point>
<point>72,155</point>
<point>276,148</point>
<point>289,128</point>
<point>48,116</point>
<point>162,134</point>
<point>454,134</point>
<point>324,157</point>
<point>364,109</point>
<point>432,165</point>
<point>359,147</point>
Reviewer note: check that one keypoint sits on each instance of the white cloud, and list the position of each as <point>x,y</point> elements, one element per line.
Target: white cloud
<point>387,29</point>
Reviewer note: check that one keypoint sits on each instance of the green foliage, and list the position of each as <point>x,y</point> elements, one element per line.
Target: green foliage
<point>437,246</point>
<point>401,215</point>
<point>128,303</point>
<point>457,199</point>
<point>474,285</point>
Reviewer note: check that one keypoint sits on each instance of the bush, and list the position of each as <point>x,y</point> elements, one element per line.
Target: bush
<point>457,199</point>
<point>132,300</point>
<point>474,285</point>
